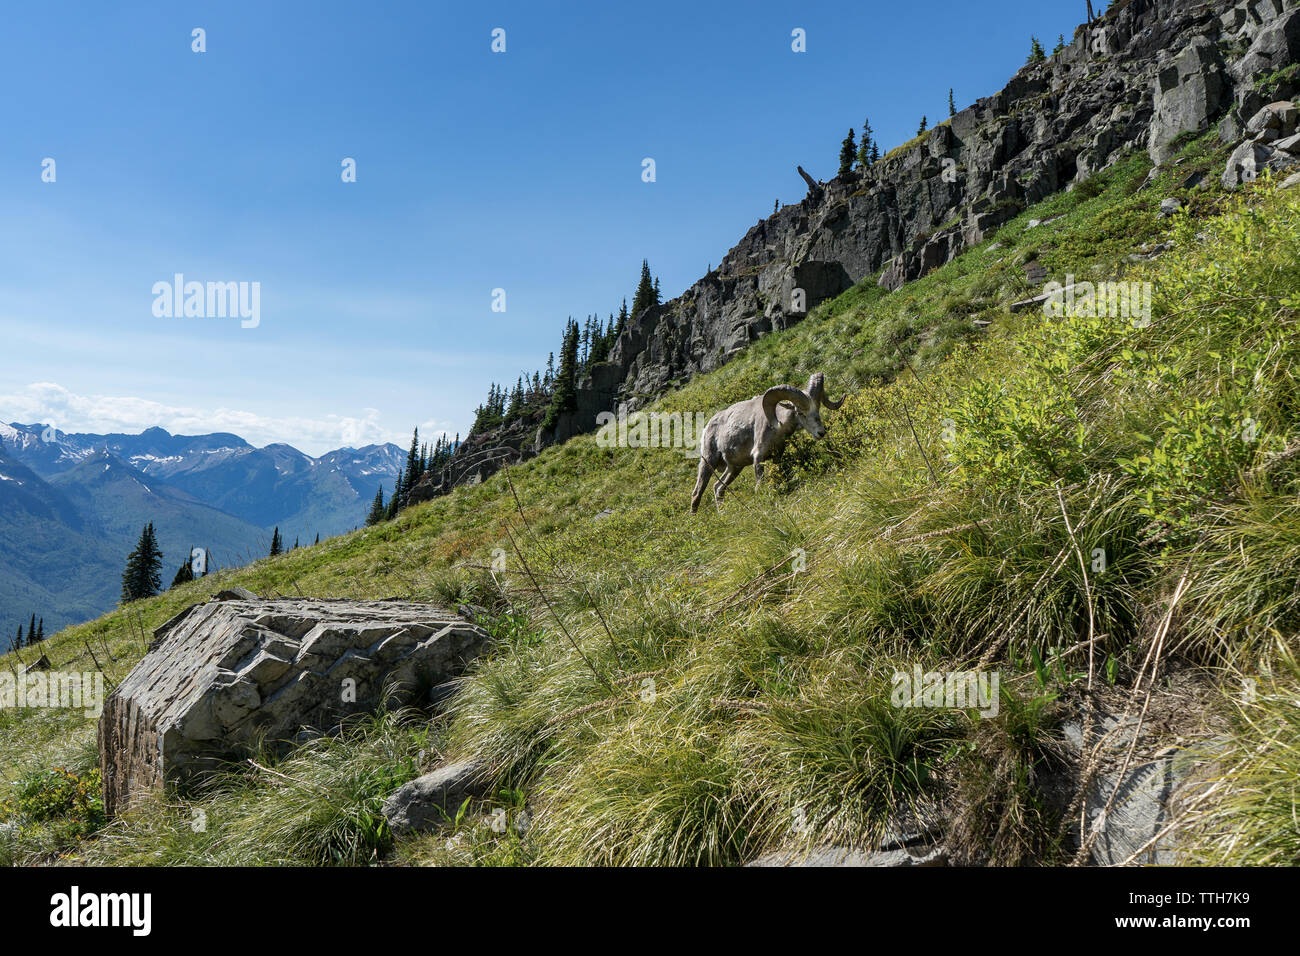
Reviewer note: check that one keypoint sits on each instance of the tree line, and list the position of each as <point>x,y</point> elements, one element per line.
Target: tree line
<point>544,395</point>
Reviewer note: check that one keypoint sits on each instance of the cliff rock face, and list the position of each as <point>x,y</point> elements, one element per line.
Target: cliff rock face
<point>1137,78</point>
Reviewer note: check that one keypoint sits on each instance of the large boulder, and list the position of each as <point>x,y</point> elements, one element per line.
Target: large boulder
<point>223,677</point>
<point>1250,159</point>
<point>1276,45</point>
<point>1188,93</point>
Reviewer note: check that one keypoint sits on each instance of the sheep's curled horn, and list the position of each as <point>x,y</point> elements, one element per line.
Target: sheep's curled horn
<point>817,392</point>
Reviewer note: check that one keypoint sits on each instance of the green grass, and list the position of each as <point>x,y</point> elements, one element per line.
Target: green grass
<point>701,690</point>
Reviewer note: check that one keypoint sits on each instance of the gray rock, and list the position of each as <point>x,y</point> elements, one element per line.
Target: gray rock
<point>223,676</point>
<point>1280,117</point>
<point>1168,207</point>
<point>1143,796</point>
<point>1291,144</point>
<point>1249,160</point>
<point>836,856</point>
<point>430,801</point>
<point>1275,46</point>
<point>1189,91</point>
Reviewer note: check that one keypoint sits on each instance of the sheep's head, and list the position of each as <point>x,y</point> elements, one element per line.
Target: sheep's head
<point>807,405</point>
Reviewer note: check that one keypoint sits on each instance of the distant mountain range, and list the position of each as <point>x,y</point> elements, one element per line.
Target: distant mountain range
<point>72,506</point>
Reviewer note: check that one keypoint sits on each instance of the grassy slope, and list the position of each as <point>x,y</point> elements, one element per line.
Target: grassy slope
<point>731,691</point>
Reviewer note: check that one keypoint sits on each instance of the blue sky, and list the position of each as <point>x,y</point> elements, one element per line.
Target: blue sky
<point>475,171</point>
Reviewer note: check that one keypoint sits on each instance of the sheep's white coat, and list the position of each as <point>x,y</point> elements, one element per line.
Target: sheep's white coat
<point>750,432</point>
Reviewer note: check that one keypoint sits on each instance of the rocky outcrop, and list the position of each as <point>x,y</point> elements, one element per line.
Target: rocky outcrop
<point>1271,143</point>
<point>1140,77</point>
<point>223,677</point>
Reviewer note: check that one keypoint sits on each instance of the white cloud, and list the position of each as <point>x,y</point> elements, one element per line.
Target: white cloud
<point>52,404</point>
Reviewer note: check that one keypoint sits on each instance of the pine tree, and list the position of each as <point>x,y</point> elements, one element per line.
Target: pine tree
<point>776,207</point>
<point>1060,44</point>
<point>183,574</point>
<point>875,152</point>
<point>1036,54</point>
<point>40,630</point>
<point>31,631</point>
<point>952,104</point>
<point>565,397</point>
<point>644,297</point>
<point>622,319</point>
<point>277,546</point>
<point>864,145</point>
<point>411,475</point>
<point>141,578</point>
<point>848,150</point>
<point>655,298</point>
<point>295,543</point>
<point>376,513</point>
<point>317,541</point>
<point>18,641</point>
<point>925,124</point>
<point>391,511</point>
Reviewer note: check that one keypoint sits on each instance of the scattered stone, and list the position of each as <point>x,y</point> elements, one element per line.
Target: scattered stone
<point>1035,272</point>
<point>223,676</point>
<point>1142,796</point>
<point>235,594</point>
<point>1168,207</point>
<point>428,802</point>
<point>1290,182</point>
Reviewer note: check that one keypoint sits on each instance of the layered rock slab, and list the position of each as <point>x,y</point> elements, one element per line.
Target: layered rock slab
<point>224,677</point>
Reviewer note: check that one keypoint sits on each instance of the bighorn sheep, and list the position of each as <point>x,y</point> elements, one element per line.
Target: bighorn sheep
<point>752,431</point>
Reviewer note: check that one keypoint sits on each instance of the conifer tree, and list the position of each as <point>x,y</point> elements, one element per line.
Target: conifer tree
<point>40,630</point>
<point>848,150</point>
<point>565,396</point>
<point>644,297</point>
<point>183,574</point>
<point>376,514</point>
<point>411,475</point>
<point>141,578</point>
<point>31,631</point>
<point>875,152</point>
<point>622,320</point>
<point>1060,44</point>
<point>391,511</point>
<point>655,298</point>
<point>952,104</point>
<point>925,124</point>
<point>17,642</point>
<point>1036,54</point>
<point>317,541</point>
<point>864,145</point>
<point>277,547</point>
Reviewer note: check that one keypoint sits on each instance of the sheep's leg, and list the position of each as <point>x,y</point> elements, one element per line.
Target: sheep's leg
<point>701,482</point>
<point>727,478</point>
<point>758,474</point>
